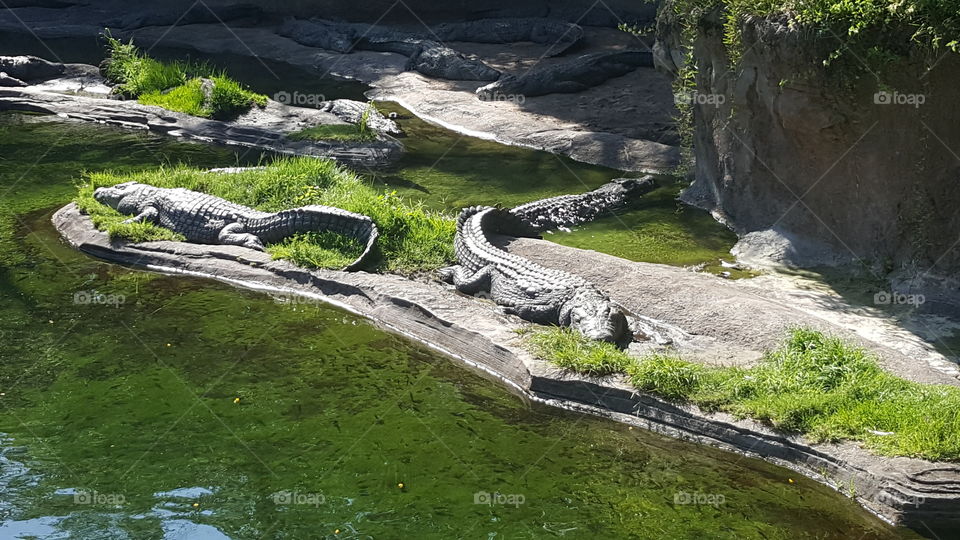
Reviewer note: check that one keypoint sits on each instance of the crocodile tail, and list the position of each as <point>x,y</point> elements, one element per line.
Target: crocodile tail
<point>499,221</point>
<point>317,218</point>
<point>467,213</point>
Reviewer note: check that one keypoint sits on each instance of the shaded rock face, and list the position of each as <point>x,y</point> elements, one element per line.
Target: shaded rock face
<point>425,55</point>
<point>827,173</point>
<point>607,13</point>
<point>29,68</point>
<point>576,75</point>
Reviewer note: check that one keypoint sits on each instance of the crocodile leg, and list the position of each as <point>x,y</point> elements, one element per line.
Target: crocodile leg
<point>472,284</point>
<point>233,235</point>
<point>150,214</point>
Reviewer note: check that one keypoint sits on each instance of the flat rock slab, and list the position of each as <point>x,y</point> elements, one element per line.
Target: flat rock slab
<point>588,126</point>
<point>903,490</point>
<point>261,128</point>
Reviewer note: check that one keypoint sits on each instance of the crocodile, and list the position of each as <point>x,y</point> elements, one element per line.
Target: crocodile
<point>524,288</point>
<point>206,219</point>
<point>569,210</point>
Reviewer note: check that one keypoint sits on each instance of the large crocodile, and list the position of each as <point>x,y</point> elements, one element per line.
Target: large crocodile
<point>569,210</point>
<point>524,288</point>
<point>205,219</point>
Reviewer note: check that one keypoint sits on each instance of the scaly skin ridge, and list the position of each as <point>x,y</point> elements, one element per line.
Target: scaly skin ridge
<point>206,219</point>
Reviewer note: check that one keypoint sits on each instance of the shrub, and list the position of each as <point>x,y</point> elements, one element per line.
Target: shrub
<point>175,86</point>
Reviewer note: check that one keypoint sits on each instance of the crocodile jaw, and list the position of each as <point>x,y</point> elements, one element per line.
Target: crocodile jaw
<point>111,196</point>
<point>596,317</point>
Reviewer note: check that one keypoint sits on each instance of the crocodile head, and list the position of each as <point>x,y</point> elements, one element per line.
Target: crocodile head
<point>636,187</point>
<point>113,195</point>
<point>596,317</point>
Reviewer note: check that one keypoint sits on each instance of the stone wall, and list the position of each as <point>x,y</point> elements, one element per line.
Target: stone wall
<point>810,169</point>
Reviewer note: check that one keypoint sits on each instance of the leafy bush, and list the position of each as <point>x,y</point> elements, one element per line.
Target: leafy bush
<point>412,238</point>
<point>176,86</point>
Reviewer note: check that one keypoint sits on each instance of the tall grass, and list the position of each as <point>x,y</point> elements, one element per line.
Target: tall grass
<point>412,238</point>
<point>175,86</point>
<point>813,384</point>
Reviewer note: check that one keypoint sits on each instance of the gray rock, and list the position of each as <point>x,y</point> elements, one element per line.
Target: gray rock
<point>559,35</point>
<point>577,75</point>
<point>30,68</point>
<point>8,81</point>
<point>425,55</point>
<point>319,33</point>
<point>352,111</point>
<point>262,129</point>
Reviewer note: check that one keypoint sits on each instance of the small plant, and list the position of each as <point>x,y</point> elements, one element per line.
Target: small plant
<point>333,132</point>
<point>359,132</point>
<point>176,86</point>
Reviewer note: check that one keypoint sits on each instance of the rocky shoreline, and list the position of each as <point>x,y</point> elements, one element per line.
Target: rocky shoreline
<point>588,126</point>
<point>80,93</point>
<point>905,491</point>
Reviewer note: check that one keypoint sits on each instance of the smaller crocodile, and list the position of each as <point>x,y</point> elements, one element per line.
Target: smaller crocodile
<point>524,288</point>
<point>205,219</point>
<point>569,210</point>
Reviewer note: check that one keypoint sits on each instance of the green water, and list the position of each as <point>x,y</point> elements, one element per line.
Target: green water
<point>170,407</point>
<point>449,171</point>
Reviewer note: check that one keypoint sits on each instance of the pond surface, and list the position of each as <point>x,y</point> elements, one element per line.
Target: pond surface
<point>136,405</point>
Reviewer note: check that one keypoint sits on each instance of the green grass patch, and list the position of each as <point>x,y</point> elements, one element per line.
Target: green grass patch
<point>813,384</point>
<point>175,86</point>
<point>570,350</point>
<point>412,238</point>
<point>334,132</point>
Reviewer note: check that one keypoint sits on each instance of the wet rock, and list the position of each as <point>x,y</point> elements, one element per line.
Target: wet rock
<point>577,75</point>
<point>30,68</point>
<point>352,111</point>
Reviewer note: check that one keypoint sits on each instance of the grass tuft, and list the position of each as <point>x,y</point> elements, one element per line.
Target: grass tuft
<point>412,238</point>
<point>813,384</point>
<point>570,350</point>
<point>333,132</point>
<point>175,86</point>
